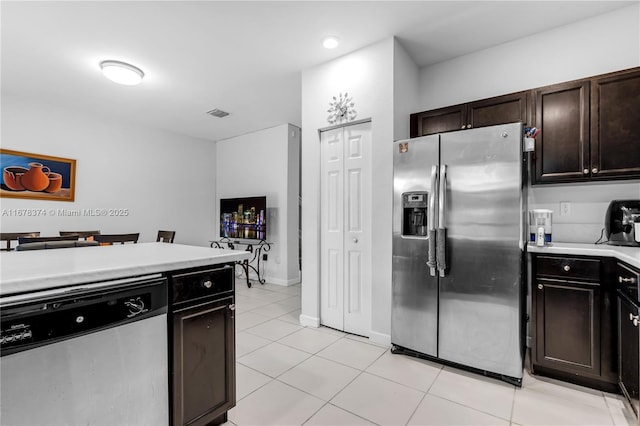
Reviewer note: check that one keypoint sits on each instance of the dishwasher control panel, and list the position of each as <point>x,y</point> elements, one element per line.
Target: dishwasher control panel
<point>31,324</point>
<point>18,333</point>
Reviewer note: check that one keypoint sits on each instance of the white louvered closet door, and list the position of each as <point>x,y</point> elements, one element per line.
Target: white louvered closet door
<point>345,235</point>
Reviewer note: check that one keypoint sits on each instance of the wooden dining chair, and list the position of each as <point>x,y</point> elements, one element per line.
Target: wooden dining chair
<point>27,240</point>
<point>7,237</point>
<point>116,238</point>
<point>85,235</point>
<point>166,236</point>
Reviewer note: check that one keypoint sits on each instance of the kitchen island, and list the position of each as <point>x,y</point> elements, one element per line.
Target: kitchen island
<point>123,334</point>
<point>34,270</point>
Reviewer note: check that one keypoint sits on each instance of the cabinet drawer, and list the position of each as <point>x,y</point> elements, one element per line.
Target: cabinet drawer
<point>569,268</point>
<point>628,280</point>
<point>201,284</point>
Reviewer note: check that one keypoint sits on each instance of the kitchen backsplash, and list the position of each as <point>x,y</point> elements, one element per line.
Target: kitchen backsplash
<point>588,205</point>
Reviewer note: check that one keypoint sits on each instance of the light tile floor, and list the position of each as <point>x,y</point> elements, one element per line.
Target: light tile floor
<point>293,375</point>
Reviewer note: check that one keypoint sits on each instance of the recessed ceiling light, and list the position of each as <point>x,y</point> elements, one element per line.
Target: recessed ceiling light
<point>121,72</point>
<point>331,42</point>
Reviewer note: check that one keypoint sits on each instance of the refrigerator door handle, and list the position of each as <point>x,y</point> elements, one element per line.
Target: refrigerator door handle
<point>441,235</point>
<point>432,222</point>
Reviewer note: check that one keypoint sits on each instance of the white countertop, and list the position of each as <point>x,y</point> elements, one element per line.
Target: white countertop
<point>630,255</point>
<point>25,271</point>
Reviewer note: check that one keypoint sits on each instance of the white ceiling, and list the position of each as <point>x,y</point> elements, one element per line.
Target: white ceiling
<point>242,57</point>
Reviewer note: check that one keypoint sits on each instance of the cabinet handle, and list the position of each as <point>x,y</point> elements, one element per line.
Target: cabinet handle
<point>463,127</point>
<point>634,318</point>
<point>566,268</point>
<point>585,171</point>
<point>207,284</point>
<point>232,307</point>
<point>626,280</point>
<point>594,170</point>
<point>540,286</point>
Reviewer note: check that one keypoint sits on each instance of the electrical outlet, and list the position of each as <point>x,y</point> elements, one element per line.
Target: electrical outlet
<point>565,208</point>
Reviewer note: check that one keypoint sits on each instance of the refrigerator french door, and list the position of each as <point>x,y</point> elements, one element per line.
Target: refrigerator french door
<point>458,236</point>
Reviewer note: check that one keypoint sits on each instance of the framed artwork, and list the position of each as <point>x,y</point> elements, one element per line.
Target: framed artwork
<point>36,176</point>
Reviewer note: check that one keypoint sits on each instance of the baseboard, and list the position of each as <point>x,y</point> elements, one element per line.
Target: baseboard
<point>308,321</point>
<point>271,280</point>
<point>284,283</point>
<point>380,338</point>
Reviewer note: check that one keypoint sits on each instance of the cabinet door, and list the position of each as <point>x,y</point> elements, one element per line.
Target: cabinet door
<point>438,120</point>
<point>628,348</point>
<point>562,147</point>
<point>615,126</point>
<point>203,379</point>
<point>505,109</point>
<point>568,326</point>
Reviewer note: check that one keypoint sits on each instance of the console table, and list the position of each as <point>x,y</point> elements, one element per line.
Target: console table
<point>257,248</point>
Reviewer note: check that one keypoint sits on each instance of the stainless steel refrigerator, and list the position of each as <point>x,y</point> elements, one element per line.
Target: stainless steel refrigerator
<point>458,238</point>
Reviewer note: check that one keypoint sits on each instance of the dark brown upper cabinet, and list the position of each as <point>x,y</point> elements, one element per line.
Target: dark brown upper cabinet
<point>499,110</point>
<point>486,112</point>
<point>590,129</point>
<point>562,147</point>
<point>438,120</point>
<point>615,126</point>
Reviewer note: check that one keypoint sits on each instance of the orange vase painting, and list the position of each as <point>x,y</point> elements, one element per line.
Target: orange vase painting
<point>36,176</point>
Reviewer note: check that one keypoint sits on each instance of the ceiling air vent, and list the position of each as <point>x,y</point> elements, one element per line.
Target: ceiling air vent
<point>218,113</point>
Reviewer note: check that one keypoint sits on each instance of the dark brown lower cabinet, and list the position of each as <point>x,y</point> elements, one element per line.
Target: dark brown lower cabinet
<point>567,320</point>
<point>203,363</point>
<point>573,321</point>
<point>629,348</point>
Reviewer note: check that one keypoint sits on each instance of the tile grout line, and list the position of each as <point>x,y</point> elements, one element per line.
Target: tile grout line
<point>360,372</point>
<point>425,395</point>
<point>513,404</point>
<point>606,403</point>
<point>467,406</point>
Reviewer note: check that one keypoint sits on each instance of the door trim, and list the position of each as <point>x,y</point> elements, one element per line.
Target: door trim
<point>312,321</point>
<point>337,126</point>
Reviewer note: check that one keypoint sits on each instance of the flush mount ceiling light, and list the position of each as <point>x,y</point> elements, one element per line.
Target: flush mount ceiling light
<point>121,72</point>
<point>331,42</point>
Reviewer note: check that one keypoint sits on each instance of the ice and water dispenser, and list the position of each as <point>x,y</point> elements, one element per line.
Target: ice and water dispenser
<point>414,214</point>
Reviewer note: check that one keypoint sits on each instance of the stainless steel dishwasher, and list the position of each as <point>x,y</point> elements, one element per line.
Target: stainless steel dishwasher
<point>86,355</point>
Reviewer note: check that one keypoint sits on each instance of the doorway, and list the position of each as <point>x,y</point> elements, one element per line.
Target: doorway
<point>345,228</point>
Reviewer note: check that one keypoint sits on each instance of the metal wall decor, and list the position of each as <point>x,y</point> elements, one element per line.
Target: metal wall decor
<point>341,109</point>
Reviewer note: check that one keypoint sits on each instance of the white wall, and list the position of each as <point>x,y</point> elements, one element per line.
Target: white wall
<point>606,43</point>
<point>609,42</point>
<point>406,81</point>
<point>293,203</point>
<point>367,75</point>
<point>165,180</point>
<point>266,163</point>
